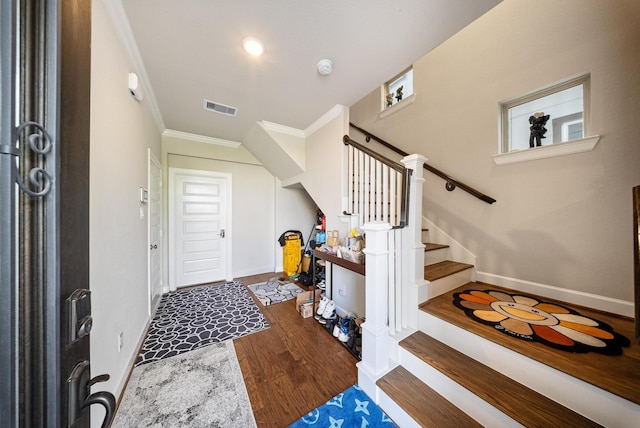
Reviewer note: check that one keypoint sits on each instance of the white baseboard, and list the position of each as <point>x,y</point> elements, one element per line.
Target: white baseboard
<point>253,271</point>
<point>603,303</point>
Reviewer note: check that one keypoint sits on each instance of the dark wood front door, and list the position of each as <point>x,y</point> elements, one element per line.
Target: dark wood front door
<point>44,214</point>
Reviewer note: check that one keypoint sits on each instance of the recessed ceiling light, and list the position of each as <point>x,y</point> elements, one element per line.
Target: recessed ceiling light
<point>253,46</point>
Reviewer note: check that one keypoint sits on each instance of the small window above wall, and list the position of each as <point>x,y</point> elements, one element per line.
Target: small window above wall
<point>397,92</point>
<point>553,115</point>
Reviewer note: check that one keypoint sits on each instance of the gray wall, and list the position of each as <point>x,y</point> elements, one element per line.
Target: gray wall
<point>122,132</point>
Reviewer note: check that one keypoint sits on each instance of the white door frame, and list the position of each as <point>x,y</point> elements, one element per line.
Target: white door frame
<point>172,214</point>
<point>153,161</point>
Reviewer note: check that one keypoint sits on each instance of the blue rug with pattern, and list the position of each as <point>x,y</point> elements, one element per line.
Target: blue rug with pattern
<point>349,409</point>
<point>191,318</point>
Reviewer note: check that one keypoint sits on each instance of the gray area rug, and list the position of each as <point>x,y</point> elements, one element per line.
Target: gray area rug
<point>274,291</point>
<point>201,388</point>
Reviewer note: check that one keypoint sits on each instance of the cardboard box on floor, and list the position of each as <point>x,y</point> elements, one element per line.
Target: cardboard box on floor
<point>305,302</point>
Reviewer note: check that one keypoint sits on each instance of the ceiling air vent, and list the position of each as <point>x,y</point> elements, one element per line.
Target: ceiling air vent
<point>220,108</point>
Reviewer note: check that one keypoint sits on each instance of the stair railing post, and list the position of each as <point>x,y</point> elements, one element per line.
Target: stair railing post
<point>375,330</point>
<point>413,284</point>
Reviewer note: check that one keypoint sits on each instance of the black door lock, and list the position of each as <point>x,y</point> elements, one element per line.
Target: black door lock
<point>79,314</point>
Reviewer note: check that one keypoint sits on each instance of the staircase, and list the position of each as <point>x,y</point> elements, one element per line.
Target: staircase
<point>454,371</point>
<point>425,362</point>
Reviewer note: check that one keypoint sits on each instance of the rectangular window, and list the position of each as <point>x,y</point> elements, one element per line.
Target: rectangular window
<point>553,115</point>
<point>398,88</point>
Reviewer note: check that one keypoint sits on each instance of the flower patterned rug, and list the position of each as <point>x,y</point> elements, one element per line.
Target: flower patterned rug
<point>349,409</point>
<point>528,318</point>
<point>275,291</point>
<point>195,317</point>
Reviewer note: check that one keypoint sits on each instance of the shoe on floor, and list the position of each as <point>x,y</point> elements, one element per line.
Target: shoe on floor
<point>336,329</point>
<point>328,313</point>
<point>321,307</point>
<point>344,334</point>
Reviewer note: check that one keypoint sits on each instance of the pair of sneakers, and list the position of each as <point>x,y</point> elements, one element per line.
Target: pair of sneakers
<point>326,310</point>
<point>343,330</point>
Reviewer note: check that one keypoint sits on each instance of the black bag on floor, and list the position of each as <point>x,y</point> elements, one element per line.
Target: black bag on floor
<point>305,278</point>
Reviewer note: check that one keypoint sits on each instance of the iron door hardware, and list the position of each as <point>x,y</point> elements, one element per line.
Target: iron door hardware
<point>221,233</point>
<point>80,397</point>
<point>79,314</point>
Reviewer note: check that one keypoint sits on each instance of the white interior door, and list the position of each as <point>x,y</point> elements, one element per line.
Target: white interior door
<point>199,217</point>
<point>154,221</point>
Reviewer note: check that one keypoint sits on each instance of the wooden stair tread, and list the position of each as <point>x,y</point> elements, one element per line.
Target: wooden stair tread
<point>616,374</point>
<point>430,246</point>
<point>442,269</point>
<point>422,403</point>
<point>510,397</point>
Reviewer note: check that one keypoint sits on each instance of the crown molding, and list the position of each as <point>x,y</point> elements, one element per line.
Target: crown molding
<point>123,29</point>
<point>324,119</point>
<point>275,127</point>
<point>200,138</point>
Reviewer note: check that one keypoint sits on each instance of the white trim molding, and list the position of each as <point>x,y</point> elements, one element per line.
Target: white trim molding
<point>549,151</point>
<point>603,303</point>
<point>325,118</point>
<point>276,127</point>
<point>405,102</point>
<point>123,29</point>
<point>200,138</point>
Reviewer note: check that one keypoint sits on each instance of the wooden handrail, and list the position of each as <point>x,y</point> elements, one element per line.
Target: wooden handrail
<point>450,182</point>
<point>377,156</point>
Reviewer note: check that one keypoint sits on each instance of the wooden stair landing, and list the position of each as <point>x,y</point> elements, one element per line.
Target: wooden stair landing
<point>618,375</point>
<point>510,397</point>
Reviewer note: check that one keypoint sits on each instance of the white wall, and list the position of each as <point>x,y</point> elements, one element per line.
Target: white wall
<point>122,129</point>
<point>253,208</point>
<point>261,209</point>
<point>324,159</point>
<point>565,221</point>
<point>295,211</point>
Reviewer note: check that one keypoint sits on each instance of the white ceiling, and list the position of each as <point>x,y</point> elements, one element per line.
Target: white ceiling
<point>189,50</point>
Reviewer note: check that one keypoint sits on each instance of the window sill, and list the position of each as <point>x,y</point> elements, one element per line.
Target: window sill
<point>550,151</point>
<point>397,106</point>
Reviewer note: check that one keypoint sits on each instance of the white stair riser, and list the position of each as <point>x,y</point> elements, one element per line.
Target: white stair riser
<point>592,402</point>
<point>436,256</point>
<point>395,412</point>
<point>443,285</point>
<point>459,396</point>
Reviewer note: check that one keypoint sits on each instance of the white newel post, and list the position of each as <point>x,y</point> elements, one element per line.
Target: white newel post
<point>375,330</point>
<point>413,251</point>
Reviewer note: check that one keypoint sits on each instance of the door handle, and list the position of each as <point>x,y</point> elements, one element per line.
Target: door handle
<point>221,233</point>
<point>79,388</point>
<point>105,399</point>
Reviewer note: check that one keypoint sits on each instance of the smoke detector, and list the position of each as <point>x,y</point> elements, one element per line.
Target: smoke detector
<point>325,67</point>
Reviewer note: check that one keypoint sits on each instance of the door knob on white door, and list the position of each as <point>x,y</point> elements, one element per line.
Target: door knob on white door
<point>221,235</point>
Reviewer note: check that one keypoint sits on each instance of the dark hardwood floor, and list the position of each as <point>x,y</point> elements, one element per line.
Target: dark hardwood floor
<point>292,367</point>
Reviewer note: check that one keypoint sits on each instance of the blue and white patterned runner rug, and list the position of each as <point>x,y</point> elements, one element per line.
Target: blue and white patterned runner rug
<point>349,409</point>
<point>196,317</point>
